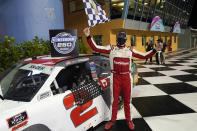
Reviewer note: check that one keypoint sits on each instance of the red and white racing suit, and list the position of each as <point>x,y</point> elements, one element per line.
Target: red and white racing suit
<point>120,80</point>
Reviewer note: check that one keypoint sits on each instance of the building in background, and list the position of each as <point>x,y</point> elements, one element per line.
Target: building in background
<point>134,17</point>
<point>25,19</point>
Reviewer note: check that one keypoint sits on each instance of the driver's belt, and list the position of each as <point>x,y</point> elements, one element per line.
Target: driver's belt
<point>121,73</point>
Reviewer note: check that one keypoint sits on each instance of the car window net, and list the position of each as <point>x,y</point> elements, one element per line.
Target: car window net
<point>86,92</point>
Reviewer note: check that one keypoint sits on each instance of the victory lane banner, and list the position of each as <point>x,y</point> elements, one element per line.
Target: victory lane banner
<point>63,43</point>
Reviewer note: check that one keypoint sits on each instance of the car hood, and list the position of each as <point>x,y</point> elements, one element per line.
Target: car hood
<point>7,105</point>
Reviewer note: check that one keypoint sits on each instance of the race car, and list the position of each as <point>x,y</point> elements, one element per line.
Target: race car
<point>55,94</point>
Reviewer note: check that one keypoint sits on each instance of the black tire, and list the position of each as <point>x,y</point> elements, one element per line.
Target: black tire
<point>37,127</point>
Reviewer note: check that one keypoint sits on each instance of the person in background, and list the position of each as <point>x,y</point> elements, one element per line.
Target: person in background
<point>169,46</point>
<point>149,47</point>
<point>159,47</point>
<point>163,51</point>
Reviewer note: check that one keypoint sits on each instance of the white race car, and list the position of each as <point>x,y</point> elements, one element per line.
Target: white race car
<point>55,94</point>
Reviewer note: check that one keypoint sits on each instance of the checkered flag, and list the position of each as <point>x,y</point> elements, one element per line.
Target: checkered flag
<point>96,15</point>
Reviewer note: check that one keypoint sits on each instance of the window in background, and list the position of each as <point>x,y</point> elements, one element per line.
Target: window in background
<point>116,8</point>
<point>159,37</point>
<point>170,15</point>
<point>138,11</point>
<point>143,40</point>
<point>166,13</point>
<point>98,39</point>
<point>133,40</point>
<point>157,8</point>
<point>101,2</point>
<point>176,14</point>
<point>163,8</point>
<point>75,5</point>
<point>146,10</point>
<point>171,39</point>
<point>174,39</point>
<point>131,10</point>
<point>166,39</point>
<point>152,38</point>
<point>151,12</point>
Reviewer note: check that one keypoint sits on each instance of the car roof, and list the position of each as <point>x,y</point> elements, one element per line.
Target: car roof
<point>50,61</point>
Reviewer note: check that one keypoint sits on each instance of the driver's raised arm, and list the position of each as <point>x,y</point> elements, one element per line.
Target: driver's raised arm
<point>141,55</point>
<point>93,45</point>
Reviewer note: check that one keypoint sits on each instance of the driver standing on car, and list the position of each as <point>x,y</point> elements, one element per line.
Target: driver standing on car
<point>120,62</point>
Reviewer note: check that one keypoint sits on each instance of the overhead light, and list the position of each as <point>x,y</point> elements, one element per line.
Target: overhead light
<point>121,4</point>
<point>145,3</point>
<point>114,4</point>
<point>115,0</point>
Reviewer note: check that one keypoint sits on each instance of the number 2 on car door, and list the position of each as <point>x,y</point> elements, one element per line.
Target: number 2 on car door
<point>75,115</point>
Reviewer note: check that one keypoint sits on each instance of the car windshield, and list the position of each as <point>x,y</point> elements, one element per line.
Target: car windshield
<point>23,81</point>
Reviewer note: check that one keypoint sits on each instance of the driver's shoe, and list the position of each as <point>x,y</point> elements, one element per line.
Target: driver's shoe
<point>131,125</point>
<point>109,125</point>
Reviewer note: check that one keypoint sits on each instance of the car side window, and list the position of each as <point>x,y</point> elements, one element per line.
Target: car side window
<point>71,77</point>
<point>102,66</point>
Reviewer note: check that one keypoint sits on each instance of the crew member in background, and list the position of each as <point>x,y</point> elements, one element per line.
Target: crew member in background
<point>163,51</point>
<point>149,47</point>
<point>159,47</point>
<point>121,80</point>
<point>169,46</point>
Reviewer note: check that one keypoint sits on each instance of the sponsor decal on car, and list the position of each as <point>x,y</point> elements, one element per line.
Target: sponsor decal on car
<point>104,83</point>
<point>93,71</point>
<point>44,95</point>
<point>37,67</point>
<point>94,75</point>
<point>93,68</point>
<point>17,121</point>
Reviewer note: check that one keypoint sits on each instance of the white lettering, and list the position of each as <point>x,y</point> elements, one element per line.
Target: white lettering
<point>65,39</point>
<point>64,44</point>
<point>121,63</point>
<point>104,82</point>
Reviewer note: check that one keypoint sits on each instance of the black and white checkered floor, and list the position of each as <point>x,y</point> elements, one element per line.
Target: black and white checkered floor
<point>165,98</point>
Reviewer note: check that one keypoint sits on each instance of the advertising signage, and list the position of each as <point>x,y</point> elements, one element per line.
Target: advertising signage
<point>157,24</point>
<point>177,28</point>
<point>63,43</point>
